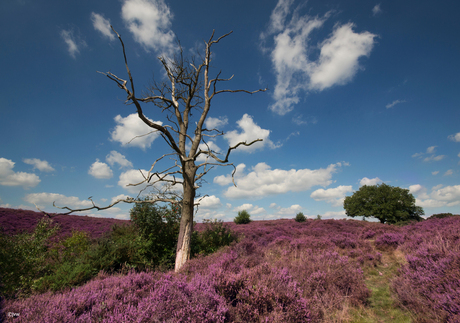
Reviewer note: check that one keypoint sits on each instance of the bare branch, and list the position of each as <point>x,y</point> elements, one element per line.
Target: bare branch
<point>127,200</point>
<point>236,91</point>
<point>210,153</point>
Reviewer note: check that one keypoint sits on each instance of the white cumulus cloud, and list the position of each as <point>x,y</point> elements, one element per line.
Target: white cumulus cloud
<point>131,130</point>
<point>338,60</point>
<point>8,177</point>
<point>43,200</point>
<point>41,165</point>
<point>116,158</point>
<point>369,181</point>
<point>100,170</point>
<point>132,176</point>
<point>334,215</point>
<point>249,131</point>
<point>292,210</point>
<point>263,181</point>
<point>438,197</point>
<point>209,202</point>
<point>119,197</point>
<point>209,146</point>
<point>150,23</point>
<point>335,196</point>
<point>215,123</point>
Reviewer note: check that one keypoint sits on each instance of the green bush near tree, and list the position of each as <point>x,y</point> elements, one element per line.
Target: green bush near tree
<point>215,236</point>
<point>32,263</point>
<point>243,217</point>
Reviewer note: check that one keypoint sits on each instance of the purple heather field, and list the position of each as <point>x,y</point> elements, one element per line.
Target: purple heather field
<point>279,271</point>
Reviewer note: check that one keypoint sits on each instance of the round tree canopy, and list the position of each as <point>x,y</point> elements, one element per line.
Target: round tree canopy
<point>386,203</point>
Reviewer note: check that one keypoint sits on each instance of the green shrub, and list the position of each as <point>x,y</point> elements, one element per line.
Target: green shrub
<point>242,218</point>
<point>76,260</point>
<point>300,217</point>
<point>215,236</point>
<point>159,226</point>
<point>24,258</point>
<point>442,215</point>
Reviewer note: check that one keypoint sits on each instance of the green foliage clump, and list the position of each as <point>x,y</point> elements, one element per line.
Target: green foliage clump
<point>442,215</point>
<point>30,262</point>
<point>159,226</point>
<point>23,258</point>
<point>215,236</point>
<point>386,203</point>
<point>77,259</point>
<point>242,218</point>
<point>300,217</point>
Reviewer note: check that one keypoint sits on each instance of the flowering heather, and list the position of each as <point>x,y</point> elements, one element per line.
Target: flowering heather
<point>431,278</point>
<point>278,271</point>
<point>141,297</point>
<point>14,221</point>
<point>389,240</point>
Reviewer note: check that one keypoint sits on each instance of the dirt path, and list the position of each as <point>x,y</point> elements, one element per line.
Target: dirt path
<point>382,306</point>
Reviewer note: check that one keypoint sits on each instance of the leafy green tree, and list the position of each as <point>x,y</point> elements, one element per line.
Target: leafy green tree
<point>386,203</point>
<point>242,218</point>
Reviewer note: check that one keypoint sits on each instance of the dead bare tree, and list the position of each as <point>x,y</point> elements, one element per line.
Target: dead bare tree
<point>189,88</point>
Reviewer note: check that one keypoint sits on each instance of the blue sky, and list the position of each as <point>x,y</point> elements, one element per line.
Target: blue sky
<point>360,92</point>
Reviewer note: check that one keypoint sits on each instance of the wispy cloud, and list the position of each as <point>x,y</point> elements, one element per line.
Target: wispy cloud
<point>455,137</point>
<point>41,165</point>
<point>295,72</point>
<point>74,43</point>
<point>102,25</point>
<point>376,10</point>
<point>429,151</point>
<point>300,120</point>
<point>392,104</point>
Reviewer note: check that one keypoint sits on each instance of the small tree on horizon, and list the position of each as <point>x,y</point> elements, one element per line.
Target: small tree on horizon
<point>189,89</point>
<point>386,203</point>
<point>243,217</point>
<point>300,217</point>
